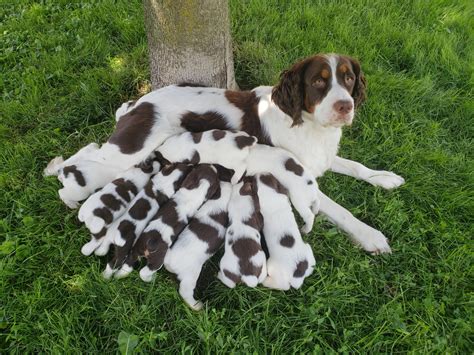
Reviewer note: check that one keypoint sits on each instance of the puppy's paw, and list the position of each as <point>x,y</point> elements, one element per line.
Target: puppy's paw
<point>53,167</point>
<point>88,248</point>
<point>146,274</point>
<point>374,242</point>
<point>197,306</point>
<point>385,179</point>
<point>123,272</point>
<point>108,272</point>
<point>307,227</point>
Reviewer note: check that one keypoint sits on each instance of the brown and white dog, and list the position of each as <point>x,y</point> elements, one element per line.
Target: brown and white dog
<point>304,114</point>
<point>291,259</point>
<point>228,149</point>
<point>244,259</point>
<point>203,236</point>
<point>153,243</point>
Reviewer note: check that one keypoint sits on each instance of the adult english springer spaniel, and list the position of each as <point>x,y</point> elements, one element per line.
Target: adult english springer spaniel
<point>304,114</point>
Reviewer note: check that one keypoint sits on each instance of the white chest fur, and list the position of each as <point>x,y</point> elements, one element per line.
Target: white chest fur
<point>314,145</point>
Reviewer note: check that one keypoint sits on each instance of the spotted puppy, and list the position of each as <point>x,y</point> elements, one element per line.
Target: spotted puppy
<point>109,203</point>
<point>198,186</point>
<point>244,260</point>
<point>123,231</point>
<point>80,175</point>
<point>291,259</point>
<point>300,183</point>
<point>229,149</point>
<point>203,236</point>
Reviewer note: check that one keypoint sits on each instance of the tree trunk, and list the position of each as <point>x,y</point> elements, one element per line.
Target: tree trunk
<point>189,41</point>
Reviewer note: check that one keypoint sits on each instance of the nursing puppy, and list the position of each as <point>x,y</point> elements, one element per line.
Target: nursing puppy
<point>109,203</point>
<point>244,260</point>
<point>203,236</point>
<point>291,259</point>
<point>123,231</point>
<point>300,183</point>
<point>80,175</point>
<point>198,186</point>
<point>229,149</point>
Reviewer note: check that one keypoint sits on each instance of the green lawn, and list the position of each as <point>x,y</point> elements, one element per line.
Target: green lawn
<point>65,68</point>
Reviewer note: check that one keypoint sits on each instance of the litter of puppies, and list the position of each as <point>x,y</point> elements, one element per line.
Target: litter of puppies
<point>196,193</point>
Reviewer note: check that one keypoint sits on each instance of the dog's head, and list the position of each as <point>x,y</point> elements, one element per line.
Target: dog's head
<point>323,88</point>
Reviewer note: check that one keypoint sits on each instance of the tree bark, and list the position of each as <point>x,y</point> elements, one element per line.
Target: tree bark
<point>189,41</point>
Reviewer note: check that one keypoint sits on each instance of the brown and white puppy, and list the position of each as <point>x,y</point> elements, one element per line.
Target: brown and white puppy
<point>291,259</point>
<point>80,175</point>
<point>203,236</point>
<point>229,149</point>
<point>123,231</point>
<point>109,203</point>
<point>153,243</point>
<point>243,260</point>
<point>300,183</point>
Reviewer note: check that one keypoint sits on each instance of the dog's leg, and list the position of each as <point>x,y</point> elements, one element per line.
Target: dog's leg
<point>367,237</point>
<point>186,288</point>
<point>385,179</point>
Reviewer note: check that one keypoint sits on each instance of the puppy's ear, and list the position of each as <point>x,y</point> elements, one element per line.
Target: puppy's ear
<point>289,93</point>
<point>360,86</point>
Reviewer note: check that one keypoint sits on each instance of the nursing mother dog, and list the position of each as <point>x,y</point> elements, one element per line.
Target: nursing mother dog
<point>304,114</point>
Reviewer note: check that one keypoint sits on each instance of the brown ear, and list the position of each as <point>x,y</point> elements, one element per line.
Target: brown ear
<point>358,94</point>
<point>289,93</point>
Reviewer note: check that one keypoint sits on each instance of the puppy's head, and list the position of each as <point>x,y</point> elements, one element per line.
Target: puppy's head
<point>324,88</point>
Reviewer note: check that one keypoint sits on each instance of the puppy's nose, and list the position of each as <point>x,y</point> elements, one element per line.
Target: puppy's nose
<point>343,106</point>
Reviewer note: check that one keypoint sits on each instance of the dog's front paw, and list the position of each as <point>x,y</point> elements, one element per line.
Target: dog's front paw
<point>374,242</point>
<point>385,179</point>
<point>307,227</point>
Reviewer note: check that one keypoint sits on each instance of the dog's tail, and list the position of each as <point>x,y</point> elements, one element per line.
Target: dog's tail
<point>54,167</point>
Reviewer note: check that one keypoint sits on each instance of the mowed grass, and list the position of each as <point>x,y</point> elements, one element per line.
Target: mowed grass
<point>67,67</point>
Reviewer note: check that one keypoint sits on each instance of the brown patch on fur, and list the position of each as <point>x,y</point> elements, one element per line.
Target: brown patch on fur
<point>140,209</point>
<point>149,189</point>
<point>224,173</point>
<point>78,176</point>
<point>100,234</point>
<point>218,134</point>
<point>301,268</point>
<point>124,188</point>
<point>111,202</point>
<point>271,181</point>
<point>287,241</point>
<point>195,122</point>
<point>161,198</point>
<point>231,276</point>
<point>196,137</point>
<point>244,141</point>
<point>222,218</point>
<point>294,167</point>
<point>127,230</point>
<point>104,213</point>
<point>133,128</point>
<point>247,101</point>
<point>202,171</point>
<point>207,234</point>
<point>245,249</point>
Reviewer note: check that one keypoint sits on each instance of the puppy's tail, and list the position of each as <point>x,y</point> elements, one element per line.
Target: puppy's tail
<point>54,166</point>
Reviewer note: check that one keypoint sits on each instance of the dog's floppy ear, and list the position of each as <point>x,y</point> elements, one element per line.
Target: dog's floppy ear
<point>360,85</point>
<point>289,93</point>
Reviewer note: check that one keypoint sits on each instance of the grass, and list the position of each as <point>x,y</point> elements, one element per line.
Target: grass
<point>67,66</point>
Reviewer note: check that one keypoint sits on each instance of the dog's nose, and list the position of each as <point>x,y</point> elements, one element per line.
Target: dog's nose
<point>343,106</point>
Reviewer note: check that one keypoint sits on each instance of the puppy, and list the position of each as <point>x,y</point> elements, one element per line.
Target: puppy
<point>300,183</point>
<point>243,260</point>
<point>109,203</point>
<point>198,242</point>
<point>80,175</point>
<point>123,231</point>
<point>198,186</point>
<point>291,259</point>
<point>226,148</point>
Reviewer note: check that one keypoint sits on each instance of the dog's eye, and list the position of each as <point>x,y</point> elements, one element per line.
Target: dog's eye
<point>319,83</point>
<point>349,79</point>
